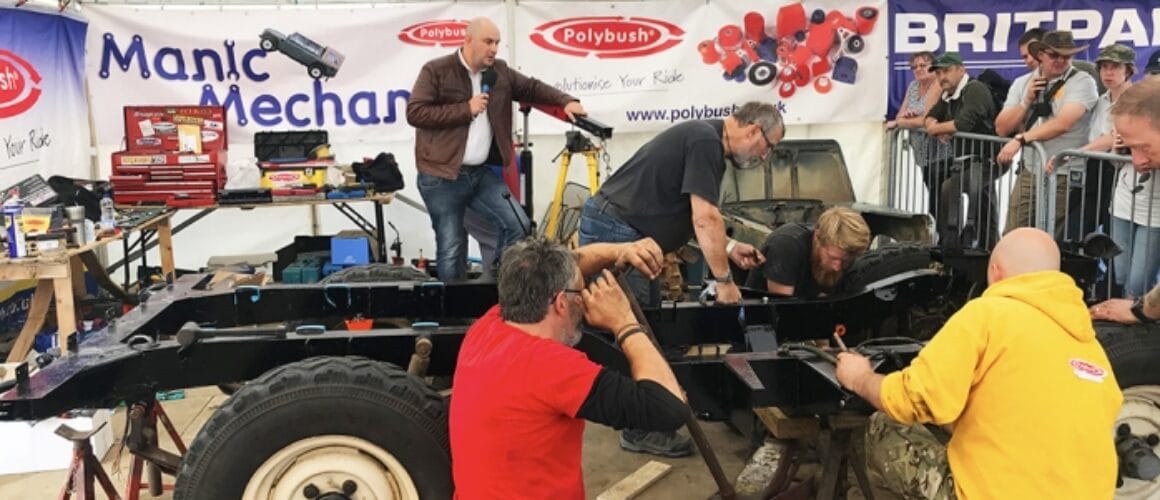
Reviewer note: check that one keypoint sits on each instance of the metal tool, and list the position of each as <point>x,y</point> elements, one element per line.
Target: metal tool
<point>191,333</point>
<point>839,332</point>
<point>724,487</point>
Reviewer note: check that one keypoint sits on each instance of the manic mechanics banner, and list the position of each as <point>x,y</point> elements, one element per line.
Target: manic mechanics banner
<point>641,66</point>
<point>986,32</point>
<point>179,55</point>
<point>44,127</point>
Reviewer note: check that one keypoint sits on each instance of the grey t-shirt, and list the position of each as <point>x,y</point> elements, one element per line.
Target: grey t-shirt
<point>651,190</point>
<point>1081,89</point>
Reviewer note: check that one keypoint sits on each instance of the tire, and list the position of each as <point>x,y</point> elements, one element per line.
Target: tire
<point>917,321</point>
<point>315,71</point>
<point>884,262</point>
<point>375,273</point>
<point>762,73</point>
<point>1133,351</point>
<point>387,428</point>
<point>268,45</point>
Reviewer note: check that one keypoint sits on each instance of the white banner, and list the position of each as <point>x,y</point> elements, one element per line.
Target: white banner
<point>43,128</point>
<point>641,66</point>
<point>188,55</point>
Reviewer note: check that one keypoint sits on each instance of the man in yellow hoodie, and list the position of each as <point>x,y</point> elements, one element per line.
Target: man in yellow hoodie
<point>1018,378</point>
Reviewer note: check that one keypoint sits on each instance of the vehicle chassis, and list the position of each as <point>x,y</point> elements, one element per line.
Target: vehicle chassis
<point>734,366</point>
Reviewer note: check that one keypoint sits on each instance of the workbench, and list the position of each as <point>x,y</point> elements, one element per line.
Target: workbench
<point>376,230</point>
<point>61,274</point>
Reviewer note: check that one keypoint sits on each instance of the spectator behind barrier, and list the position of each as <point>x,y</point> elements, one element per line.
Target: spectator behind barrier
<point>1136,210</point>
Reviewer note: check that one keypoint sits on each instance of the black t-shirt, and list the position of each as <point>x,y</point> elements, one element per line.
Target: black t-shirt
<point>787,261</point>
<point>651,190</point>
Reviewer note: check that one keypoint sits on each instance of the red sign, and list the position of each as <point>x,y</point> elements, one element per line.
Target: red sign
<point>607,37</point>
<point>19,85</point>
<point>443,33</point>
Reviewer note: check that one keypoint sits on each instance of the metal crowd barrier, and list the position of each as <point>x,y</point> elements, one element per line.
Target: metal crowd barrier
<point>1107,195</point>
<point>969,195</point>
<point>973,200</point>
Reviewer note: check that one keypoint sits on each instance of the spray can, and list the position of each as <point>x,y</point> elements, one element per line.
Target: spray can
<point>76,220</point>
<point>16,246</point>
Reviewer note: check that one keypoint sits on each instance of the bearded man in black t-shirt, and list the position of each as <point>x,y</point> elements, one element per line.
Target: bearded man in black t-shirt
<point>806,262</point>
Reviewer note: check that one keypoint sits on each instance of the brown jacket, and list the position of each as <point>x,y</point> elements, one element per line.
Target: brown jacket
<point>441,115</point>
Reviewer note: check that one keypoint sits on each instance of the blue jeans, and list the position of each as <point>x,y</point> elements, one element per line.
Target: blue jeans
<point>476,188</point>
<point>598,226</point>
<point>1137,266</point>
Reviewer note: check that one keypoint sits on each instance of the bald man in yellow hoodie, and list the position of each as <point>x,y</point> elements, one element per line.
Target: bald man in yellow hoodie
<point>1018,378</point>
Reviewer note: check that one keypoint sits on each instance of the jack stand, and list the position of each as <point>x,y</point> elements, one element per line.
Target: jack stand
<point>142,441</point>
<point>575,143</point>
<point>85,467</point>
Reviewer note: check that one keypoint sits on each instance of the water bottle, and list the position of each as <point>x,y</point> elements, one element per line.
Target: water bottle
<point>108,214</point>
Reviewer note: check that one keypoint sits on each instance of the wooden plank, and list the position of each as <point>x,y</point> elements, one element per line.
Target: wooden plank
<point>34,269</point>
<point>636,482</point>
<point>165,247</point>
<point>66,313</point>
<point>37,312</point>
<point>784,427</point>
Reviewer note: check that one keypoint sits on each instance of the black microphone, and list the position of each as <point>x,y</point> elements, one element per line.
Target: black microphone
<point>488,80</point>
<point>527,230</point>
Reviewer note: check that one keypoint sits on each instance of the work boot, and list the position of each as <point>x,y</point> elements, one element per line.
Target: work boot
<point>663,444</point>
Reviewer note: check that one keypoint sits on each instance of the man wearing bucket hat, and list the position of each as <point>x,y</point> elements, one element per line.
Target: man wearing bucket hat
<point>1057,117</point>
<point>965,105</point>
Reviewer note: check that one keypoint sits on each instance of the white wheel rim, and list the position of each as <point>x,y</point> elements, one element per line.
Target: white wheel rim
<point>327,462</point>
<point>1141,411</point>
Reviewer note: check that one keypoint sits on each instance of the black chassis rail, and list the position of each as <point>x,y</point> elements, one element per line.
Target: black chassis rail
<point>138,355</point>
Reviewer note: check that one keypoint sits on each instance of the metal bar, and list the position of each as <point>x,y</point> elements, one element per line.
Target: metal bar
<point>724,487</point>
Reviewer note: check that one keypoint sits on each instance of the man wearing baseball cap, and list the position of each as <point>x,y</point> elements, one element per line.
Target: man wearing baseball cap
<point>1058,117</point>
<point>1152,69</point>
<point>965,105</point>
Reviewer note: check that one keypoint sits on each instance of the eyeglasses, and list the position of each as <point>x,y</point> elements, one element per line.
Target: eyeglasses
<point>1055,55</point>
<point>566,290</point>
<point>1140,181</point>
<point>768,145</point>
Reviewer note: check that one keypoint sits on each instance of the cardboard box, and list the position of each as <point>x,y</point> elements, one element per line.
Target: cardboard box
<point>35,447</point>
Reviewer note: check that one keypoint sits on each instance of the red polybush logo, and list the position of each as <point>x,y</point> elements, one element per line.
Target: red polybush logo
<point>607,37</point>
<point>19,85</point>
<point>1087,371</point>
<point>442,33</point>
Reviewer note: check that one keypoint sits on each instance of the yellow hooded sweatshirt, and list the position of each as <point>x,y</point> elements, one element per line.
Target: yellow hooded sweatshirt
<point>1027,390</point>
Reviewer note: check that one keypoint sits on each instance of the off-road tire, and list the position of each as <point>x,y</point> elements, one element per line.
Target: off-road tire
<point>376,273</point>
<point>347,396</point>
<point>885,262</point>
<point>1133,351</point>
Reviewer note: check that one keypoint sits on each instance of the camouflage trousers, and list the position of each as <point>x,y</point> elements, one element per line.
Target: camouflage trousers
<point>907,460</point>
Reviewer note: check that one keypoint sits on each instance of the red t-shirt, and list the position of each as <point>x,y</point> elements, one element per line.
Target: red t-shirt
<point>514,431</point>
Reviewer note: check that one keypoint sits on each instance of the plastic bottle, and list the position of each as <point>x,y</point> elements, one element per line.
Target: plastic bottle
<point>108,214</point>
<point>12,209</point>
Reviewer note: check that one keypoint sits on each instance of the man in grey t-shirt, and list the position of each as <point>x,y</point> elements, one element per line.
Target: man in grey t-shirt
<point>1060,120</point>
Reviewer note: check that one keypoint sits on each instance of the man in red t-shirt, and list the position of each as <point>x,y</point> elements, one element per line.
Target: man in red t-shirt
<point>521,393</point>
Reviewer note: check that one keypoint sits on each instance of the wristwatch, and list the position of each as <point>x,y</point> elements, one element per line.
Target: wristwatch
<point>728,278</point>
<point>1138,312</point>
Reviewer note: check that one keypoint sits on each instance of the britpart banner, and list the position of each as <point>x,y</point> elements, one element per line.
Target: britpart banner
<point>43,124</point>
<point>346,69</point>
<point>986,32</point>
<point>641,66</point>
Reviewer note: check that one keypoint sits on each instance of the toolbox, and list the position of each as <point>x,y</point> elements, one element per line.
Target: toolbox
<point>286,175</point>
<point>174,155</point>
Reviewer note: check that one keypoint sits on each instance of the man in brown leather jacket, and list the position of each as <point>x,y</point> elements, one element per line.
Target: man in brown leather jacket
<point>461,128</point>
